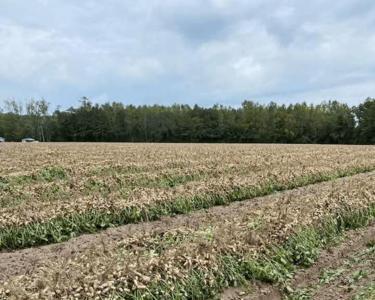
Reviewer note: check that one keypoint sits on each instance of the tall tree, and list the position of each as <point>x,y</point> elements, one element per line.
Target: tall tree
<point>365,114</point>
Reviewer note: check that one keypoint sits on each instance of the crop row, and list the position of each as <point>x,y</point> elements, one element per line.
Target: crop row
<point>93,187</point>
<point>83,217</point>
<point>263,240</point>
<point>23,159</point>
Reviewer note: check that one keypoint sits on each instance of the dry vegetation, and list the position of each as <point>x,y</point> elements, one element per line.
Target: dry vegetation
<point>42,182</point>
<point>51,192</point>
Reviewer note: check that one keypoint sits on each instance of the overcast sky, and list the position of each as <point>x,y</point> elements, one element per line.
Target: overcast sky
<point>176,51</point>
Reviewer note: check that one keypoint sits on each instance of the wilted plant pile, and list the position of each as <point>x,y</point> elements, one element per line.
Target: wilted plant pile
<point>225,247</point>
<point>51,192</point>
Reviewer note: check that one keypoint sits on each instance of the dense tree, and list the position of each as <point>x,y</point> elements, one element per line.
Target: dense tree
<point>329,122</point>
<point>365,114</point>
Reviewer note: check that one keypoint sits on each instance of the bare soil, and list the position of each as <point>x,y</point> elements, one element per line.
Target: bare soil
<point>256,291</point>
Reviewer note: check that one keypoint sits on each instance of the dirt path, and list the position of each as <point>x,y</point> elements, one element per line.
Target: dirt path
<point>23,262</point>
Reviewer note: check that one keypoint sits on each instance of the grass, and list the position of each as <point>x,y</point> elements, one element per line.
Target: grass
<point>276,266</point>
<point>63,228</point>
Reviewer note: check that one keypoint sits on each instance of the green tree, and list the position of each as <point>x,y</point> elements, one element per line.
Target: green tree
<point>365,114</point>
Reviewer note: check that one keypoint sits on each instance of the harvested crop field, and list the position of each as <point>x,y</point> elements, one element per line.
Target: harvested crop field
<point>176,221</point>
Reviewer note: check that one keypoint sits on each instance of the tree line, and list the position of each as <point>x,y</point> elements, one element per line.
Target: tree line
<point>330,122</point>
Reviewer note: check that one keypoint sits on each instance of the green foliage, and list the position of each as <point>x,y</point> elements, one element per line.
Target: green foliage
<point>304,247</point>
<point>365,114</point>
<point>329,122</point>
<point>330,275</point>
<point>301,294</point>
<point>52,173</point>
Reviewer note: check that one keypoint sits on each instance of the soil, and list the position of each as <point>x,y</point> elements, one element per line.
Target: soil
<point>256,291</point>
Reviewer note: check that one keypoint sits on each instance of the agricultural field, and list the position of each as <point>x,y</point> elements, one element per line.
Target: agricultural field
<point>186,221</point>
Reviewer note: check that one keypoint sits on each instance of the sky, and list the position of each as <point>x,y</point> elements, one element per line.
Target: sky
<point>187,51</point>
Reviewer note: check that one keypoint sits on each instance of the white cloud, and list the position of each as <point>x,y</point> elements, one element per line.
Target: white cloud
<point>159,51</point>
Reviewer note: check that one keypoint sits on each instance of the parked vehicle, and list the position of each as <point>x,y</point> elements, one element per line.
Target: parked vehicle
<point>29,140</point>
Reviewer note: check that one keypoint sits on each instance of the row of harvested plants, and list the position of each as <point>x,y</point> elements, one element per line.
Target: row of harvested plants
<point>222,247</point>
<point>51,192</point>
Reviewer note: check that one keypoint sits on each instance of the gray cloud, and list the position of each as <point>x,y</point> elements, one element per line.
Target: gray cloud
<point>193,52</point>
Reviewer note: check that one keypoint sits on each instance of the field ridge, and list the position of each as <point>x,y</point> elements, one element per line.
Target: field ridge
<point>177,221</point>
<point>63,228</point>
<point>301,246</point>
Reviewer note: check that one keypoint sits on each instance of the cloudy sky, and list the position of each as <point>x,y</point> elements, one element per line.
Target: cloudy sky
<point>193,51</point>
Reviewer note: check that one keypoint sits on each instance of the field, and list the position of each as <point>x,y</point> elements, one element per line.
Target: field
<point>186,221</point>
